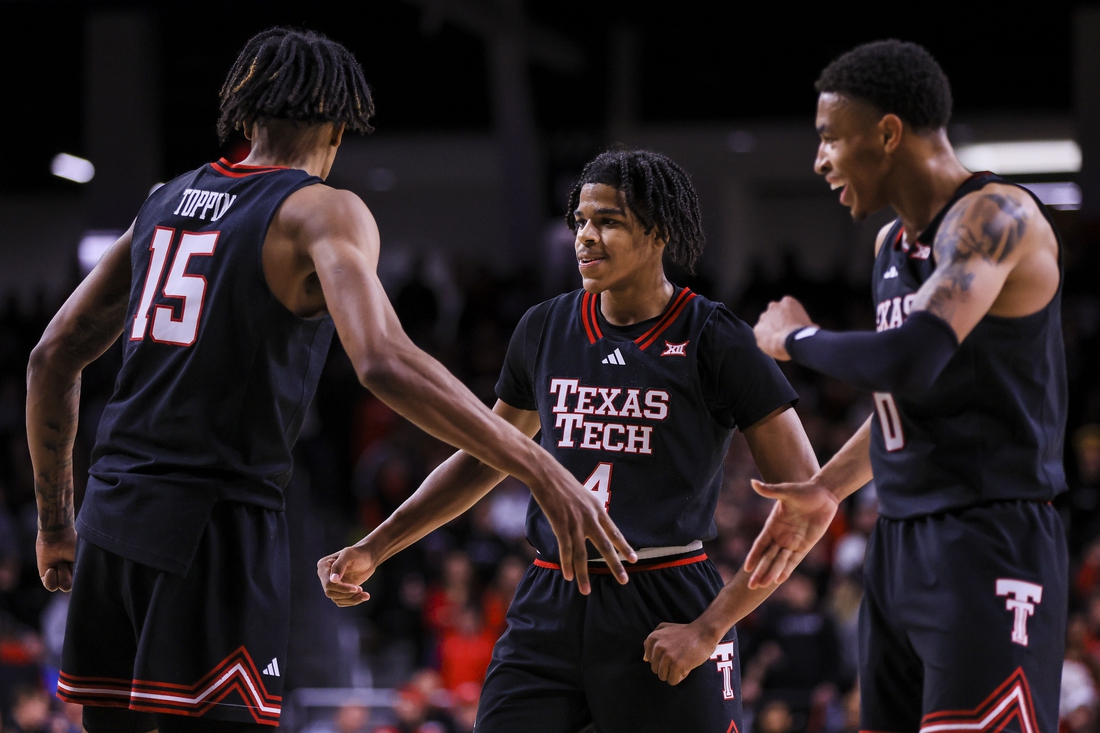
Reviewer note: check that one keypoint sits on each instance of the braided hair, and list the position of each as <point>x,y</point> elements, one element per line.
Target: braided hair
<point>660,194</point>
<point>295,75</point>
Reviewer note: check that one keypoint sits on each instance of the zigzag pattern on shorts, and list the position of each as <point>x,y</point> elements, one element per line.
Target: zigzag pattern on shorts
<point>1011,701</point>
<point>236,673</point>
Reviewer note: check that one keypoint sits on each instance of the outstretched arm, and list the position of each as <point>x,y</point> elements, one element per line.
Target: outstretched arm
<point>451,489</point>
<point>342,241</point>
<point>86,326</point>
<point>981,245</point>
<point>804,510</point>
<point>782,453</point>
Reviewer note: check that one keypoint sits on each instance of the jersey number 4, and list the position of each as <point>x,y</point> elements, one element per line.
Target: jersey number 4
<point>599,481</point>
<point>189,289</point>
<point>889,419</point>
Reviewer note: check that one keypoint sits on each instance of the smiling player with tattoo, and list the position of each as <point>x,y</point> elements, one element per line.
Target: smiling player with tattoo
<point>963,623</point>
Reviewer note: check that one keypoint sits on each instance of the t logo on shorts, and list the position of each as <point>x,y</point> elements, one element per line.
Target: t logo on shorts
<point>723,654</point>
<point>1022,597</point>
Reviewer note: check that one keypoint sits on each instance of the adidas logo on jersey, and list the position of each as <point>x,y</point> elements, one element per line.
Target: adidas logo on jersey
<point>272,669</point>
<point>892,272</point>
<point>615,357</point>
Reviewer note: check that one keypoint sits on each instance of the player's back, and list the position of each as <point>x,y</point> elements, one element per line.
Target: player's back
<point>216,374</point>
<point>991,427</point>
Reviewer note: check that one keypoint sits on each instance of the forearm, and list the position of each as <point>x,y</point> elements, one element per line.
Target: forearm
<point>53,403</point>
<point>422,390</point>
<point>902,360</point>
<point>733,603</point>
<point>452,488</point>
<point>850,468</point>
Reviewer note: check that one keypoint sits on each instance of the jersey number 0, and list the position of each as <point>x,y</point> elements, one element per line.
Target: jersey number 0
<point>190,289</point>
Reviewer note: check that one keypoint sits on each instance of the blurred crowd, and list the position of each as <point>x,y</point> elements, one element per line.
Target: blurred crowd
<point>436,609</point>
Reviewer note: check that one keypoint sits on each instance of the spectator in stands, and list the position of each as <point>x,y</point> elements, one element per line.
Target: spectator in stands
<point>804,657</point>
<point>498,596</point>
<point>455,592</point>
<point>30,710</point>
<point>464,706</point>
<point>466,649</point>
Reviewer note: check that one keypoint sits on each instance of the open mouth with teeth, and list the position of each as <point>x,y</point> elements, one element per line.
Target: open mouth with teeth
<point>588,261</point>
<point>842,186</point>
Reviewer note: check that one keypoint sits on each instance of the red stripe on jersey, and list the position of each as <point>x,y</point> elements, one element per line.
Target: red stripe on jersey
<point>595,320</point>
<point>646,339</point>
<point>584,318</point>
<point>236,170</point>
<point>602,570</point>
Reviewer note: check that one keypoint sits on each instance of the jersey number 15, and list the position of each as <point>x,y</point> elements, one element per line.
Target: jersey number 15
<point>190,289</point>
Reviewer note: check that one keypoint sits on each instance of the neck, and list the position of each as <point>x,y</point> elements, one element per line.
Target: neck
<point>307,148</point>
<point>637,301</point>
<point>929,176</point>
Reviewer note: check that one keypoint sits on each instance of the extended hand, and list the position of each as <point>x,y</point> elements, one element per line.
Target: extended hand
<point>776,323</point>
<point>799,518</point>
<point>673,650</point>
<point>575,514</point>
<point>343,573</point>
<point>56,552</point>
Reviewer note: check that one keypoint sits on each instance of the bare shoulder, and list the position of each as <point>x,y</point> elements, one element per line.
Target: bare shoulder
<point>997,223</point>
<point>881,236</point>
<point>322,211</point>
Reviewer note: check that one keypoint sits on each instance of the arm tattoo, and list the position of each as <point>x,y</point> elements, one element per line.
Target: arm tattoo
<point>986,230</point>
<point>53,487</point>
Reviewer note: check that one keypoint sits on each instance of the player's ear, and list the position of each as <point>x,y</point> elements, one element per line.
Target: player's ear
<point>337,135</point>
<point>891,128</point>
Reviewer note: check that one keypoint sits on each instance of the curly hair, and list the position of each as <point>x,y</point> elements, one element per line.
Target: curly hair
<point>295,75</point>
<point>897,77</point>
<point>660,194</point>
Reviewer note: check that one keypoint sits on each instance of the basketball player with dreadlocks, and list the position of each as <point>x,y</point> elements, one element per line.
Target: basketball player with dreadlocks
<point>963,624</point>
<point>227,289</point>
<point>636,386</point>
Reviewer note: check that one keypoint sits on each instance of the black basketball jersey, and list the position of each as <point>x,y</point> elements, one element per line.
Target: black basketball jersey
<point>216,373</point>
<point>991,427</point>
<point>642,414</point>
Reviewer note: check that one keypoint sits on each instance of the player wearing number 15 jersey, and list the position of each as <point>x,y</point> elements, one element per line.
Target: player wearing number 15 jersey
<point>636,386</point>
<point>226,291</point>
<point>963,623</point>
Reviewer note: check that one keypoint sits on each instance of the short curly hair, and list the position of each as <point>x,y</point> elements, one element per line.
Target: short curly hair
<point>660,194</point>
<point>897,77</point>
<point>299,75</point>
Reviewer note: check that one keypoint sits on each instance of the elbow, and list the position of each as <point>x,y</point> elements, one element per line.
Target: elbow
<point>43,357</point>
<point>378,373</point>
<point>917,376</point>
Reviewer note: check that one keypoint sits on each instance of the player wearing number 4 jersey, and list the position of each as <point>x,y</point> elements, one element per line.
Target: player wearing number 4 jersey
<point>636,386</point>
<point>963,624</point>
<point>226,291</point>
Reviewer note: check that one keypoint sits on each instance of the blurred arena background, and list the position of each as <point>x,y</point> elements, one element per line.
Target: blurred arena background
<point>487,109</point>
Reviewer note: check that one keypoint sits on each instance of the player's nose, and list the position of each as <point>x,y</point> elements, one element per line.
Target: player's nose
<point>588,233</point>
<point>822,166</point>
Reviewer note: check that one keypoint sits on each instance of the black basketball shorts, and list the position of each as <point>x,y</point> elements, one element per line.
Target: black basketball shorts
<point>145,648</point>
<point>963,624</point>
<point>567,661</point>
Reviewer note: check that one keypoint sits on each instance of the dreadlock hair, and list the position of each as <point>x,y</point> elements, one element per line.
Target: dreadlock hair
<point>895,76</point>
<point>660,194</point>
<point>294,75</point>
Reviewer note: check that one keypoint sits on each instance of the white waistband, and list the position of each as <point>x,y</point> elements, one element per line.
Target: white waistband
<point>648,553</point>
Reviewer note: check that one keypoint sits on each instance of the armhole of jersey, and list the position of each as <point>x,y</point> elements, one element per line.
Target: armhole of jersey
<point>883,235</point>
<point>307,181</point>
<point>1057,239</point>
